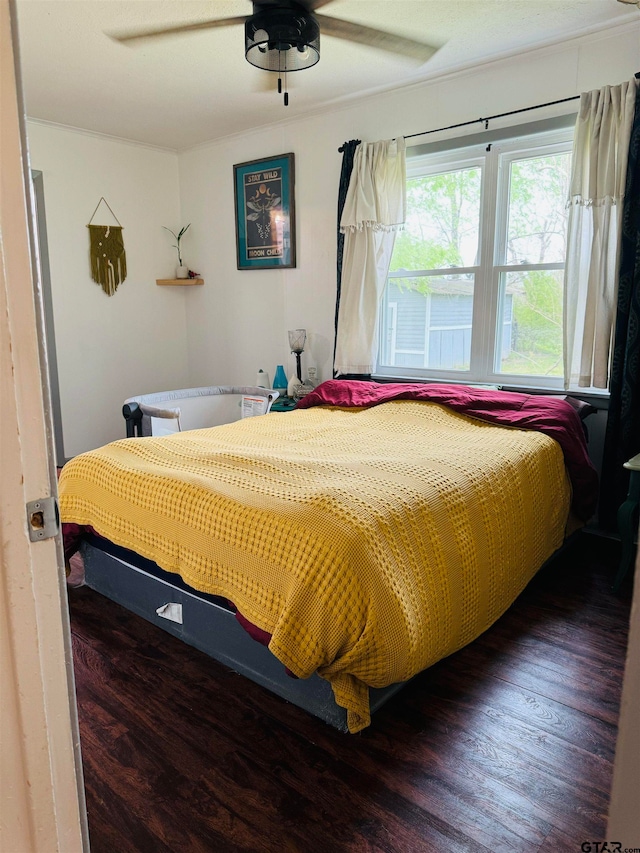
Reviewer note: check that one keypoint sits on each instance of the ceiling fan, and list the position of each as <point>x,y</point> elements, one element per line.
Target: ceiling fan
<point>284,36</point>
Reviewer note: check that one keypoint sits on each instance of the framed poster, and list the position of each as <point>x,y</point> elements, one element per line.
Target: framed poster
<point>265,213</point>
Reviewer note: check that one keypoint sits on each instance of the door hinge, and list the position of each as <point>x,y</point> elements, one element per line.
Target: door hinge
<point>43,518</point>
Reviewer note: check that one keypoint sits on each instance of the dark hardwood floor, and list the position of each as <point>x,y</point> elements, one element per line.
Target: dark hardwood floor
<point>505,746</point>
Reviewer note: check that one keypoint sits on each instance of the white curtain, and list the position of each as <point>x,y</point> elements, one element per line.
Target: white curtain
<point>600,152</point>
<point>373,212</point>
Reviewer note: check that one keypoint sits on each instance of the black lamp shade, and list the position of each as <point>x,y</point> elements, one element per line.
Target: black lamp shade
<point>282,40</point>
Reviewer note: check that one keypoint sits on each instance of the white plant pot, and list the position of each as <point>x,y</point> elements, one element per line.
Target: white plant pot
<point>182,272</point>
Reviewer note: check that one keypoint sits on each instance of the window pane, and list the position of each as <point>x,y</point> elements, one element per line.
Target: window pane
<point>531,323</point>
<point>537,217</point>
<point>426,322</point>
<point>442,226</point>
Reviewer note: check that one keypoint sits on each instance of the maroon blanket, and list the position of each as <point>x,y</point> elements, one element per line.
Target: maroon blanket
<point>553,416</point>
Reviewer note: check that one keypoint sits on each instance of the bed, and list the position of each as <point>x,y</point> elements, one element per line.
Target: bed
<point>333,552</point>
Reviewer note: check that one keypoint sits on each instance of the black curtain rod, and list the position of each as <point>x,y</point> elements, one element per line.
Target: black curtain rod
<point>499,115</point>
<point>490,118</point>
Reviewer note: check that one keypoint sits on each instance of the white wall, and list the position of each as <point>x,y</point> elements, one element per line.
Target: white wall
<point>237,323</point>
<point>110,348</point>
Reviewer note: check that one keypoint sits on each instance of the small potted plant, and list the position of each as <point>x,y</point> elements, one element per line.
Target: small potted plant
<point>182,271</point>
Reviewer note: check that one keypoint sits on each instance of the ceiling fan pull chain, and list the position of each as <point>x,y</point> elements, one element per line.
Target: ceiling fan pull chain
<point>279,73</point>
<point>286,94</point>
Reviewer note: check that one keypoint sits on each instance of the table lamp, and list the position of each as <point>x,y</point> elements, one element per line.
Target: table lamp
<point>297,340</point>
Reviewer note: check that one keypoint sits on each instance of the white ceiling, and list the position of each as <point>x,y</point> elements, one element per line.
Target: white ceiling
<point>183,90</point>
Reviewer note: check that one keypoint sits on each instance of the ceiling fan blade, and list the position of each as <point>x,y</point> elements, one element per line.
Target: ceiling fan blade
<point>312,5</point>
<point>349,31</point>
<point>180,28</point>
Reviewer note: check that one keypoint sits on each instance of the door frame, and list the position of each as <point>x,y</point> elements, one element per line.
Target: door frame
<point>42,246</point>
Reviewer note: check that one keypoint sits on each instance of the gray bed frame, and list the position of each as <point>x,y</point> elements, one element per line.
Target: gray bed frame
<point>214,630</point>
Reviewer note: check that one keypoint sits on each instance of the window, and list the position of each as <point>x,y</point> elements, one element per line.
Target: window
<point>475,287</point>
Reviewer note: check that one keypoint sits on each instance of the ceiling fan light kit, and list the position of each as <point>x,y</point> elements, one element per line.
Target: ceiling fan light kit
<point>282,40</point>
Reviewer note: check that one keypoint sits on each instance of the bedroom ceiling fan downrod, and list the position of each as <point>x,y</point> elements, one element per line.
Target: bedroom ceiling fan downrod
<point>282,39</point>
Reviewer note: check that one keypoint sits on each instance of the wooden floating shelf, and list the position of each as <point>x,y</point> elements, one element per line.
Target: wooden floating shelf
<point>182,282</point>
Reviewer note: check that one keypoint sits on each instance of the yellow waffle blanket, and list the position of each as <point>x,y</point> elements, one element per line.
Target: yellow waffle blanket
<point>370,543</point>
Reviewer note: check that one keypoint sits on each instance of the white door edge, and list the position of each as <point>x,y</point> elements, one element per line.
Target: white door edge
<point>41,795</point>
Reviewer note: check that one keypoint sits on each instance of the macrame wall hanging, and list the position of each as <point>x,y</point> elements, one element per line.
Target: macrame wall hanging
<point>106,252</point>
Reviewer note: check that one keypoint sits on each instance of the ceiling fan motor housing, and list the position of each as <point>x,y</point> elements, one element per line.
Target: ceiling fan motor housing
<point>282,39</point>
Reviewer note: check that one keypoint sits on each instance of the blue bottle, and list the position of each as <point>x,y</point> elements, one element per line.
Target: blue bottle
<point>280,380</point>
